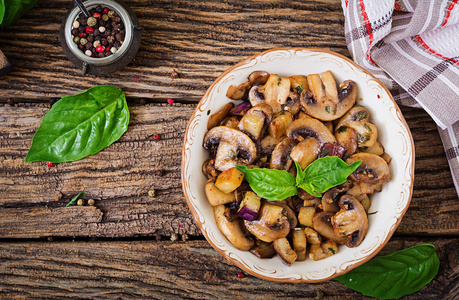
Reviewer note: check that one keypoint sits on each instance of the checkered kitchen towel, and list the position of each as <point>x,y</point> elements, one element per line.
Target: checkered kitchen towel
<point>412,46</point>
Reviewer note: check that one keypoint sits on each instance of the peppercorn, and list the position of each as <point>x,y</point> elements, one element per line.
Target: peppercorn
<point>111,14</point>
<point>50,164</point>
<point>80,29</point>
<point>96,43</point>
<point>103,42</point>
<point>101,55</point>
<point>82,35</point>
<point>110,39</point>
<point>80,202</point>
<point>76,24</point>
<point>99,9</point>
<point>117,44</point>
<point>102,23</point>
<point>105,17</point>
<point>91,202</point>
<point>75,31</point>
<point>83,22</point>
<point>88,52</point>
<point>107,49</point>
<point>83,41</point>
<point>97,15</point>
<point>240,275</point>
<point>174,237</point>
<point>90,38</point>
<point>88,46</point>
<point>89,30</point>
<point>96,32</point>
<point>92,21</point>
<point>102,29</point>
<point>80,46</point>
<point>76,39</point>
<point>117,19</point>
<point>113,50</point>
<point>118,37</point>
<point>151,193</point>
<point>105,11</point>
<point>100,49</point>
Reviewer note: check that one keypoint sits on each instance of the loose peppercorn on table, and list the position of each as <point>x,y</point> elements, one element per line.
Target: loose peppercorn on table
<point>138,239</point>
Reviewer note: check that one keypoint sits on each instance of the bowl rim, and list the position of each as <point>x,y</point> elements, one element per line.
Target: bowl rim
<point>351,266</point>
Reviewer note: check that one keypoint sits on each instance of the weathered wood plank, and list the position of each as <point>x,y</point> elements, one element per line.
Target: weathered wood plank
<point>151,269</point>
<point>200,39</point>
<point>33,196</point>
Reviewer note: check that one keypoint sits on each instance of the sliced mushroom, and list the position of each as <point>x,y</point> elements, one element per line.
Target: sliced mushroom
<point>208,169</point>
<point>256,120</point>
<point>293,103</point>
<point>357,119</point>
<point>373,169</point>
<point>305,152</point>
<point>280,157</point>
<point>219,116</point>
<point>377,149</point>
<point>258,77</point>
<point>232,122</point>
<point>233,230</point>
<point>274,93</point>
<point>272,223</point>
<point>323,101</point>
<point>309,127</point>
<point>268,143</point>
<point>330,201</point>
<point>347,138</point>
<point>351,221</point>
<point>299,83</point>
<point>324,250</point>
<point>322,224</point>
<point>231,147</point>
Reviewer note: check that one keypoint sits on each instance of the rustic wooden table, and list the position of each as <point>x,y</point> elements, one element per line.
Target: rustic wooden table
<point>125,245</point>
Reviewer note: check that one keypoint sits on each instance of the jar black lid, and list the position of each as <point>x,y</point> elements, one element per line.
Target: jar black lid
<point>106,65</point>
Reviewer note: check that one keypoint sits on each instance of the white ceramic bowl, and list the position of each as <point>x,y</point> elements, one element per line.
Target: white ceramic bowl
<point>394,134</point>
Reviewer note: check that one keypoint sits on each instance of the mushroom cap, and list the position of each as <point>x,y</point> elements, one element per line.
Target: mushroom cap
<point>373,169</point>
<point>347,138</point>
<point>258,77</point>
<point>280,157</point>
<point>351,221</point>
<point>219,116</point>
<point>272,223</point>
<point>305,152</point>
<point>358,119</point>
<point>323,102</point>
<point>231,145</point>
<point>233,231</point>
<point>309,127</point>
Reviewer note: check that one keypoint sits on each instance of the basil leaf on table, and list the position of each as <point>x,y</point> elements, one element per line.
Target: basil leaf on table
<point>270,184</point>
<point>395,275</point>
<point>2,10</point>
<point>323,174</point>
<point>14,9</point>
<point>80,125</point>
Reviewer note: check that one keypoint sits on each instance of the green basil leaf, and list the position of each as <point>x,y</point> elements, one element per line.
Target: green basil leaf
<point>270,184</point>
<point>80,125</point>
<point>15,9</point>
<point>395,275</point>
<point>75,198</point>
<point>325,173</point>
<point>2,10</point>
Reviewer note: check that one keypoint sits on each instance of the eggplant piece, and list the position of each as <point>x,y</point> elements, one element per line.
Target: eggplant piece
<point>217,197</point>
<point>299,243</point>
<point>263,249</point>
<point>284,250</point>
<point>306,215</point>
<point>312,236</point>
<point>240,110</point>
<point>324,250</point>
<point>279,124</point>
<point>229,180</point>
<point>249,207</point>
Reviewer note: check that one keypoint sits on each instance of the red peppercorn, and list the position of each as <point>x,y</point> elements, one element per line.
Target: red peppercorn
<point>100,49</point>
<point>50,164</point>
<point>96,15</point>
<point>170,101</point>
<point>240,275</point>
<point>136,79</point>
<point>156,137</point>
<point>82,35</point>
<point>105,10</point>
<point>89,30</point>
<point>142,14</point>
<point>107,49</point>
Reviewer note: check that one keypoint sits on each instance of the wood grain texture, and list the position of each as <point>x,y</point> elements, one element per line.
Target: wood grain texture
<point>200,39</point>
<point>166,270</point>
<point>33,196</point>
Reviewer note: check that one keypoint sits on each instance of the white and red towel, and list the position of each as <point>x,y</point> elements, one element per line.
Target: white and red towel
<point>412,46</point>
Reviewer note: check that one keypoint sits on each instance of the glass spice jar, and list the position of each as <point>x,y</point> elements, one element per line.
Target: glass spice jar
<point>109,64</point>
